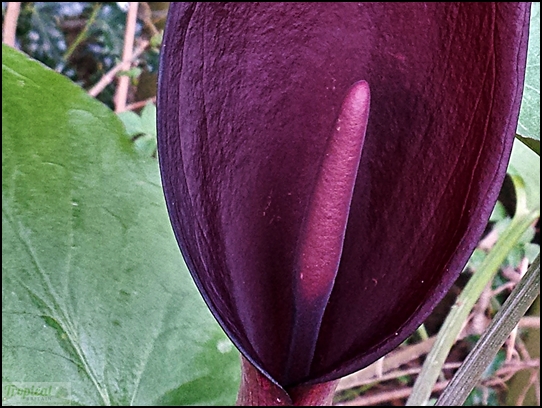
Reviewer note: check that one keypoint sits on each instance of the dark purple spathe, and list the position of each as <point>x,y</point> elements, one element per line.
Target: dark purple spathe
<point>249,100</point>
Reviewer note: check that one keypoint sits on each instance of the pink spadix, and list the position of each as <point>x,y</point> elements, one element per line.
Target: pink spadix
<point>321,242</point>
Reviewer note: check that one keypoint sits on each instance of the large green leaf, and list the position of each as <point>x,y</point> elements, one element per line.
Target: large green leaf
<point>94,291</point>
<point>529,118</point>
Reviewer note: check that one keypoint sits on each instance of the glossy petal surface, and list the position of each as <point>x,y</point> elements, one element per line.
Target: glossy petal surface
<point>249,98</point>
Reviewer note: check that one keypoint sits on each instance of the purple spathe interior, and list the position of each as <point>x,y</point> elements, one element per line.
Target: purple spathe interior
<point>249,96</point>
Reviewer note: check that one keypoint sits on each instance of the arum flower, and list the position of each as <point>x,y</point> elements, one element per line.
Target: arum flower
<point>329,168</point>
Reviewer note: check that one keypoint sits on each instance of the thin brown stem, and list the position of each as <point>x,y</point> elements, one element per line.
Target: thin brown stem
<point>110,75</point>
<point>393,361</point>
<point>140,104</point>
<point>10,23</point>
<point>129,35</point>
<point>145,14</point>
<point>389,395</point>
<point>529,322</point>
<point>392,375</point>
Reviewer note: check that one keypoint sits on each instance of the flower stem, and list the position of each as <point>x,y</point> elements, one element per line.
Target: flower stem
<point>257,390</point>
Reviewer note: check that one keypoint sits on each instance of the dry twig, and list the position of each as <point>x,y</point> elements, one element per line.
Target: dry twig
<point>140,104</point>
<point>110,75</point>
<point>129,35</point>
<point>392,361</point>
<point>10,23</point>
<point>499,379</point>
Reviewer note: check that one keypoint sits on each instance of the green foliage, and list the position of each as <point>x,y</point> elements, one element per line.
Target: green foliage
<point>482,396</point>
<point>529,119</point>
<point>142,129</point>
<point>526,164</point>
<point>94,290</point>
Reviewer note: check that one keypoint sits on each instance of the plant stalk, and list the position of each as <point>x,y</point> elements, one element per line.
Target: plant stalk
<point>493,338</point>
<point>83,34</point>
<point>257,390</point>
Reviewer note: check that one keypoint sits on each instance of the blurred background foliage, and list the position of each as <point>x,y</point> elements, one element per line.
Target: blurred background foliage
<point>84,40</point>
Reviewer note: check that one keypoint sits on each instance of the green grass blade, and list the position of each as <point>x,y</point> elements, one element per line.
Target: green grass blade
<point>468,375</point>
<point>468,297</point>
